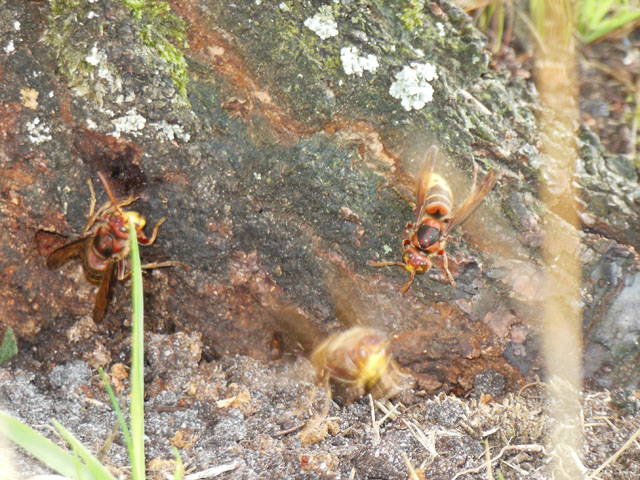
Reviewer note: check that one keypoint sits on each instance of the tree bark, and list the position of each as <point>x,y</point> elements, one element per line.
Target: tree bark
<point>278,166</point>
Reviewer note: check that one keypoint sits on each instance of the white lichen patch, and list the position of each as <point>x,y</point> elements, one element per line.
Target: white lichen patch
<point>323,23</point>
<point>95,56</point>
<point>170,132</point>
<point>9,47</point>
<point>130,123</point>
<point>99,78</point>
<point>412,85</point>
<point>352,63</point>
<point>115,84</point>
<point>38,132</point>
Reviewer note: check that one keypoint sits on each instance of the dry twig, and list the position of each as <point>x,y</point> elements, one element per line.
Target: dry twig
<point>615,456</point>
<point>528,448</point>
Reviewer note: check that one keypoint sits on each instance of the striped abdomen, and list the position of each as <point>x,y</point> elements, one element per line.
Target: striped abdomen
<point>438,197</point>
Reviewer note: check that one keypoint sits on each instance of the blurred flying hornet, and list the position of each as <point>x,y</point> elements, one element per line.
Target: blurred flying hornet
<point>357,362</point>
<point>349,364</point>
<point>104,245</point>
<point>427,236</point>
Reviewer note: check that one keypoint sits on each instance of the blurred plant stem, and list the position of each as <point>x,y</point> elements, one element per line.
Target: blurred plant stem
<point>555,74</point>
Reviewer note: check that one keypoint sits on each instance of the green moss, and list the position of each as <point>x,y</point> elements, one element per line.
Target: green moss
<point>62,7</point>
<point>165,33</point>
<point>95,77</point>
<point>333,64</point>
<point>74,26</point>
<point>411,15</point>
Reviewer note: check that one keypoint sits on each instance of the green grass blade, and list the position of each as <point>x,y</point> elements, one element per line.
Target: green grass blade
<point>137,362</point>
<point>611,24</point>
<point>586,6</point>
<point>537,11</point>
<point>499,18</point>
<point>599,12</point>
<point>119,414</point>
<point>96,469</point>
<point>179,471</point>
<point>43,449</point>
